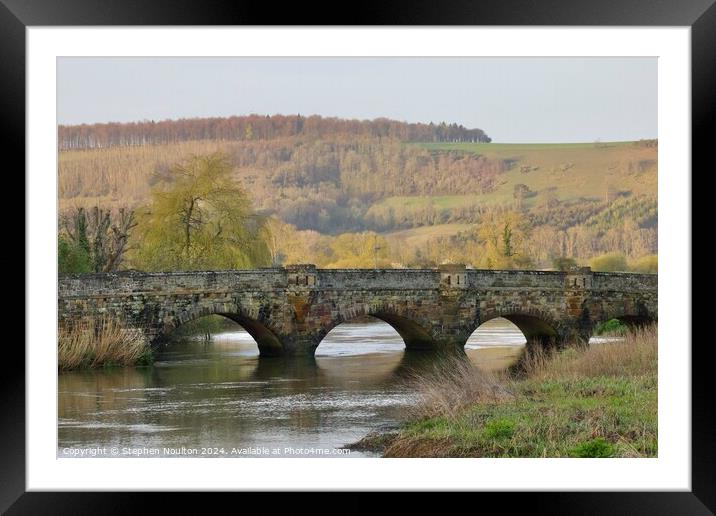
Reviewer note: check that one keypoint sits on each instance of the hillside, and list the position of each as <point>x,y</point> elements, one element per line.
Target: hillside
<point>577,200</point>
<point>122,175</point>
<point>559,174</point>
<point>568,171</point>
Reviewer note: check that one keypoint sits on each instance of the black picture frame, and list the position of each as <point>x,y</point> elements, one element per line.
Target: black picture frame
<point>16,15</point>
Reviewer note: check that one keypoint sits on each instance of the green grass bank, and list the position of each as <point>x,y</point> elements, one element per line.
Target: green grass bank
<point>595,402</point>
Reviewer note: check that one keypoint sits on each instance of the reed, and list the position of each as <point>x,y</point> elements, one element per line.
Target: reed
<point>100,341</point>
<point>451,385</point>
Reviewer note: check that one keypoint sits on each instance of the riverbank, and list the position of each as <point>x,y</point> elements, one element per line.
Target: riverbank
<point>599,402</point>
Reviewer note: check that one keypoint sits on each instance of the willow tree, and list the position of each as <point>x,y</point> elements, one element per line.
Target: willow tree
<point>199,218</point>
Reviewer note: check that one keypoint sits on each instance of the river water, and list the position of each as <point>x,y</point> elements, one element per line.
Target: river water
<point>219,399</point>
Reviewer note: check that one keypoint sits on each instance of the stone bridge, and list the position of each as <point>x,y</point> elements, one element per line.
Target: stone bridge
<point>288,311</point>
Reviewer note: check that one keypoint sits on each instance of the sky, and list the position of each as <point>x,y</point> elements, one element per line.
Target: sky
<point>551,99</point>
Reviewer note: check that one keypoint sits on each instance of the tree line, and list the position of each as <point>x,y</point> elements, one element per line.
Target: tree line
<point>501,237</point>
<point>256,127</point>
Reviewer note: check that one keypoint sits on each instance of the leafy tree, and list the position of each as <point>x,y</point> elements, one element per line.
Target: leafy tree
<point>360,250</point>
<point>200,218</point>
<point>648,263</point>
<point>72,257</point>
<point>504,234</point>
<point>610,262</point>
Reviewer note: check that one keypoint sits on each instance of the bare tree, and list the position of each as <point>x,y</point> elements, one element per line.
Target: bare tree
<point>103,235</point>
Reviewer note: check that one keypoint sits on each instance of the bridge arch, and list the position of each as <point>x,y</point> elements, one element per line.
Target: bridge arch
<point>632,313</point>
<point>536,325</point>
<point>266,339</point>
<point>414,334</point>
<point>489,330</point>
<point>629,320</point>
<point>635,320</point>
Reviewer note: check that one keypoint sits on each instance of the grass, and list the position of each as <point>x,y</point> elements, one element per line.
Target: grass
<point>596,448</point>
<point>595,402</point>
<point>100,342</point>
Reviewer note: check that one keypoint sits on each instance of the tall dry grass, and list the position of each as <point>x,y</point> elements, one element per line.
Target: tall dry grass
<point>96,342</point>
<point>635,355</point>
<point>454,384</point>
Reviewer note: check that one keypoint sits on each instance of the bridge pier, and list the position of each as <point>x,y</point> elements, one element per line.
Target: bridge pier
<point>296,345</point>
<point>448,346</point>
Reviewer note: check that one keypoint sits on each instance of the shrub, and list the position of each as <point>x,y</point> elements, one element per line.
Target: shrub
<point>596,448</point>
<point>564,263</point>
<point>499,429</point>
<point>612,327</point>
<point>610,262</point>
<point>71,258</point>
<point>646,264</point>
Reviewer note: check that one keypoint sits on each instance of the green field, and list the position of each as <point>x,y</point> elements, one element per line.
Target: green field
<point>569,171</point>
<point>417,237</point>
<point>481,148</point>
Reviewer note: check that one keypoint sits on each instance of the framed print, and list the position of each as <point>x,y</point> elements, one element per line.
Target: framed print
<point>429,243</point>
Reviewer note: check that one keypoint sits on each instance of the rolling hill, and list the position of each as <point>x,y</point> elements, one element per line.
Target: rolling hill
<point>413,193</point>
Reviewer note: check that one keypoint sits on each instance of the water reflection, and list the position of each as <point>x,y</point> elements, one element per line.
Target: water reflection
<point>220,394</point>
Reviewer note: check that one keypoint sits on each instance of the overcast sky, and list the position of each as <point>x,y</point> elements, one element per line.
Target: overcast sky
<point>511,99</point>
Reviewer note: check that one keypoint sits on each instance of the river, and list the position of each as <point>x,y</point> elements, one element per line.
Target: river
<point>219,399</point>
